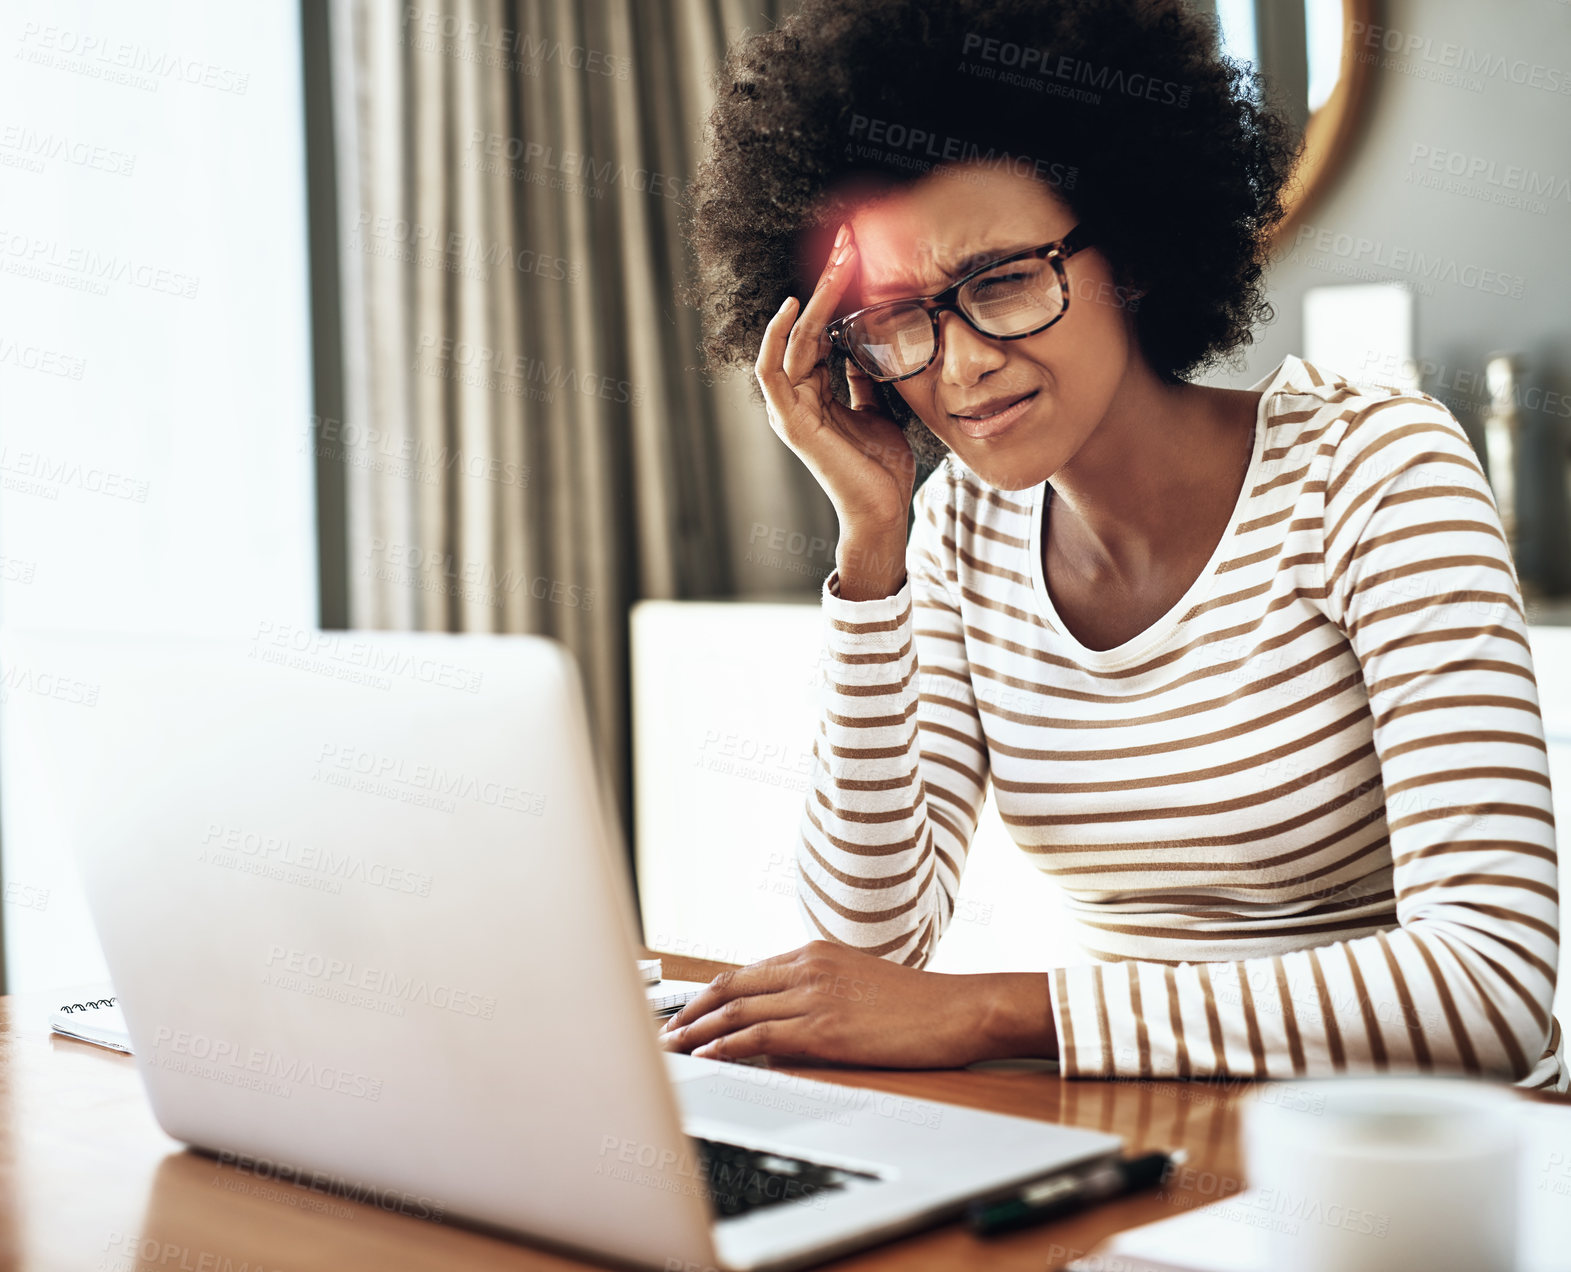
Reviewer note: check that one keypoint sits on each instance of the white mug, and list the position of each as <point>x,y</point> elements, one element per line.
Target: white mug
<point>1381,1173</point>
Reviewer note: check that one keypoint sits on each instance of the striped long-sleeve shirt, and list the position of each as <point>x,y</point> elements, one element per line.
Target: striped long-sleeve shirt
<point>1302,822</point>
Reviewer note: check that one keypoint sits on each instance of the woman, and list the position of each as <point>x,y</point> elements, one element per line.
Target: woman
<point>1248,670</point>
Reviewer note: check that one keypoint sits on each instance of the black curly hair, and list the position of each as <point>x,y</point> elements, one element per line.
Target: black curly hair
<point>1126,108</point>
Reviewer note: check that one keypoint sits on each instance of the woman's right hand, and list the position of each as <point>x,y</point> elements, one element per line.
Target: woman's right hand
<point>858,454</point>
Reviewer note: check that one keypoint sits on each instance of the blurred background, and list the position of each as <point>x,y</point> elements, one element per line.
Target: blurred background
<point>360,315</point>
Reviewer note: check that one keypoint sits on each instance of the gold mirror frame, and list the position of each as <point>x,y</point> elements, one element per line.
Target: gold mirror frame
<point>1329,134</point>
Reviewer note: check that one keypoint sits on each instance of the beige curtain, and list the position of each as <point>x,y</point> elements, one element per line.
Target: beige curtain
<point>530,445</point>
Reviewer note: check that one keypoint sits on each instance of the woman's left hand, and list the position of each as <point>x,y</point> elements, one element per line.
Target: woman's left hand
<point>829,1002</point>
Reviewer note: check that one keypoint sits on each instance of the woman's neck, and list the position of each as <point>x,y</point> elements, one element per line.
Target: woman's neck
<point>1147,483</point>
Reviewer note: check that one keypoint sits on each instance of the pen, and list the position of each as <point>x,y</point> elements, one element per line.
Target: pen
<point>1061,1194</point>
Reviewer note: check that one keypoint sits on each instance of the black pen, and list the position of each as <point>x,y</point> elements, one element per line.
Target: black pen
<point>1067,1192</point>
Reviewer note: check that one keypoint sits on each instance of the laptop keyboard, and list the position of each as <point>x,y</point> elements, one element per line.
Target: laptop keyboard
<point>742,1180</point>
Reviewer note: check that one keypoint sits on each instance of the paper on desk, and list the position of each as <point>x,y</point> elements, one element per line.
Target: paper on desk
<point>104,1026</point>
<point>672,995</point>
<point>1225,1237</point>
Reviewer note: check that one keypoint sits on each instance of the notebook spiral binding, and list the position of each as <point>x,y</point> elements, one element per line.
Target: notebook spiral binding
<point>89,1005</point>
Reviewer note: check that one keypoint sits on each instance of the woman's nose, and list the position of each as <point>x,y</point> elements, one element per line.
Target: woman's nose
<point>964,353</point>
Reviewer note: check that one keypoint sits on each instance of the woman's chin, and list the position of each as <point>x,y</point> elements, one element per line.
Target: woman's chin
<point>1019,468</point>
<point>1012,481</point>
<point>999,470</point>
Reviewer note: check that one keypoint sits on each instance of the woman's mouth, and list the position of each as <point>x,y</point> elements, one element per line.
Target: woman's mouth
<point>986,427</point>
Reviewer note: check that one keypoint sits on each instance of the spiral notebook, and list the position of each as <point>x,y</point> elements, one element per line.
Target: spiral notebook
<point>98,1020</point>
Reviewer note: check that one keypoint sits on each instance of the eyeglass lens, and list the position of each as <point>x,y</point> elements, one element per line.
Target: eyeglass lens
<point>1016,297</point>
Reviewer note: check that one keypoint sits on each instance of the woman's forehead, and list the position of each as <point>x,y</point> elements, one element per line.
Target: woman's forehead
<point>919,238</point>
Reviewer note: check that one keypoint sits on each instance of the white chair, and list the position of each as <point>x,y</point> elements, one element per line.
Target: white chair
<point>725,709</point>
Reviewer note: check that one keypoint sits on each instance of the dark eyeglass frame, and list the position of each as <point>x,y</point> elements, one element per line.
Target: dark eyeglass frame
<point>1057,252</point>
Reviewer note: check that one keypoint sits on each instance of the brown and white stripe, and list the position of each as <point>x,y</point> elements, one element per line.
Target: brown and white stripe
<point>1303,820</point>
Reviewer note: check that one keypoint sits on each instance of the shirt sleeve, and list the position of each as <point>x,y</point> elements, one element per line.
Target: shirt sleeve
<point>1419,579</point>
<point>899,763</point>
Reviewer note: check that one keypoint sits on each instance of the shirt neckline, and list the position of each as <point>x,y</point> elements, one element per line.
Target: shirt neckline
<point>1142,642</point>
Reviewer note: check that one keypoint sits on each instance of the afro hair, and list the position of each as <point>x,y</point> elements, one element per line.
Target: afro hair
<point>1126,108</point>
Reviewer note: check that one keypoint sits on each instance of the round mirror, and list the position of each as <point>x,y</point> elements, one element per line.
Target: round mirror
<point>1309,54</point>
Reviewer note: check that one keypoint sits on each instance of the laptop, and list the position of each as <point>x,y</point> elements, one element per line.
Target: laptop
<point>366,908</point>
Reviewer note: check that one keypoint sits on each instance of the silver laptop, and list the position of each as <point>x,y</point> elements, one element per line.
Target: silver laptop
<point>368,916</point>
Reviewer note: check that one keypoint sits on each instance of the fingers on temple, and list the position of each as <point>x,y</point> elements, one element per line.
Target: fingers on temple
<point>771,350</point>
<point>808,342</point>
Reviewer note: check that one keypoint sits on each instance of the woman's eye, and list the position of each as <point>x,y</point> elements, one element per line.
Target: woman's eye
<point>1002,278</point>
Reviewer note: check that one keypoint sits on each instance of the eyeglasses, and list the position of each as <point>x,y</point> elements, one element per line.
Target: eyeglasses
<point>1007,299</point>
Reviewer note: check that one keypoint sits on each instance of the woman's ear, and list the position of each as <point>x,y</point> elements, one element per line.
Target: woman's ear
<point>1129,290</point>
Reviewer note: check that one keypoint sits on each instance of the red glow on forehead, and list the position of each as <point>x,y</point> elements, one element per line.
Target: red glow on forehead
<point>914,238</point>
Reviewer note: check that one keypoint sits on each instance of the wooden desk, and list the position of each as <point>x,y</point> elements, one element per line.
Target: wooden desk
<point>88,1182</point>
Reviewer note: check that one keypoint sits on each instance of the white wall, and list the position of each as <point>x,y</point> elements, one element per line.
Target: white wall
<point>1413,118</point>
<point>1459,185</point>
<point>154,359</point>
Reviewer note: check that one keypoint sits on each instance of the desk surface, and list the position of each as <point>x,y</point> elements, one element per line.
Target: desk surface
<point>88,1182</point>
